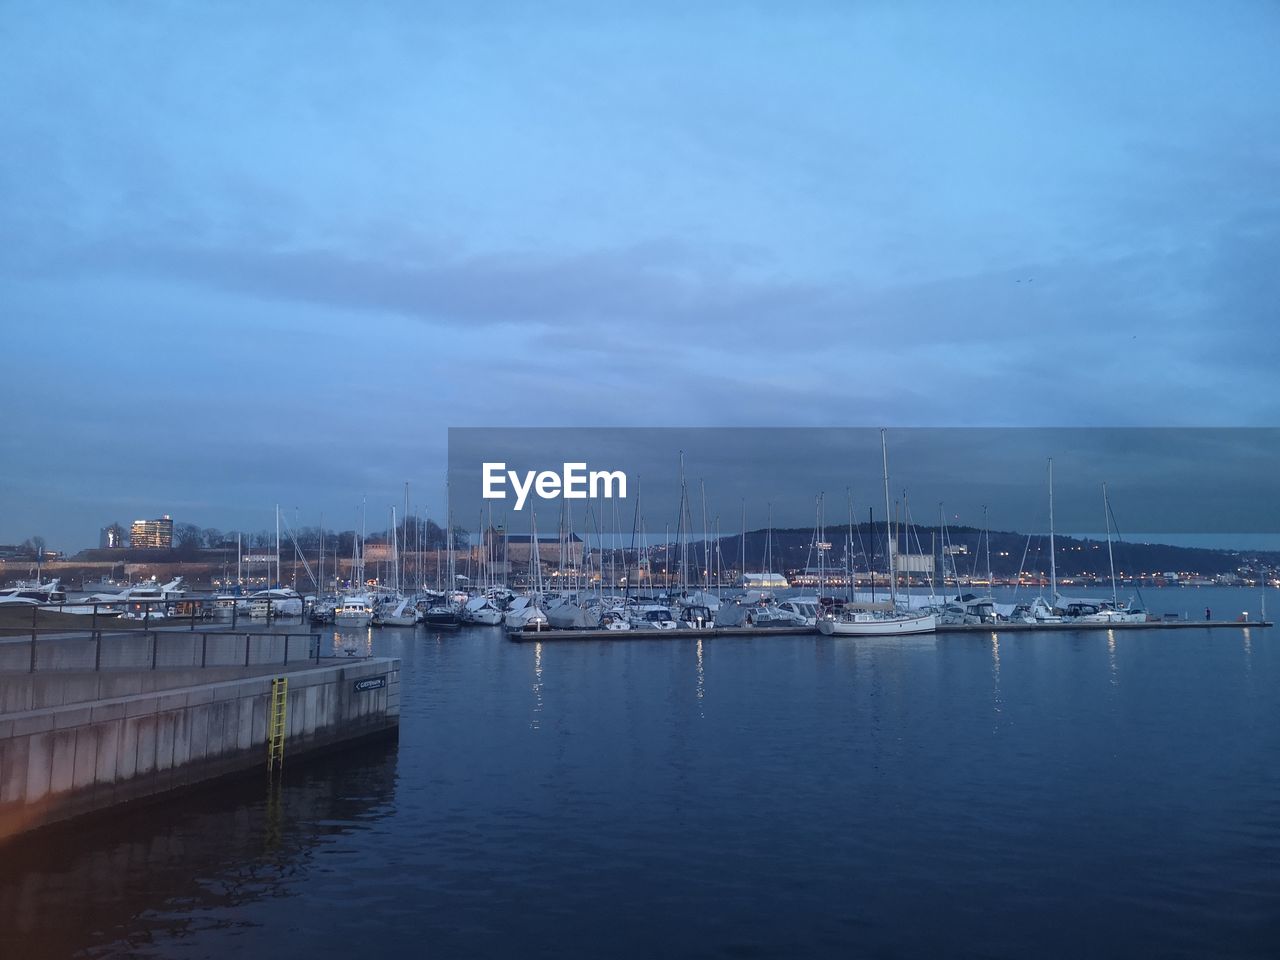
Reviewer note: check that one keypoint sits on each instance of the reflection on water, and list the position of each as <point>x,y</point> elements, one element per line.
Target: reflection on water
<point>995,674</point>
<point>160,874</point>
<point>701,682</point>
<point>536,721</point>
<point>353,642</point>
<point>1111,656</point>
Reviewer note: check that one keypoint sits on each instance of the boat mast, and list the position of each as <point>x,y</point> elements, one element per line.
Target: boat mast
<point>277,583</point>
<point>1106,517</point>
<point>986,532</point>
<point>1053,555</point>
<point>888,526</point>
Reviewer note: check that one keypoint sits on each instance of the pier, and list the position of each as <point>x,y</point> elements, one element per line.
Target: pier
<point>542,636</point>
<point>90,720</point>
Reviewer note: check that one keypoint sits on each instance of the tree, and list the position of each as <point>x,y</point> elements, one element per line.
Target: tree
<point>186,539</point>
<point>212,537</point>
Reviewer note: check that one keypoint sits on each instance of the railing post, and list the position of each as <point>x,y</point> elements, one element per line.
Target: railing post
<point>204,649</point>
<point>286,646</point>
<point>235,609</point>
<point>315,643</point>
<point>155,648</point>
<point>97,652</point>
<point>246,649</point>
<point>193,616</point>
<point>94,625</point>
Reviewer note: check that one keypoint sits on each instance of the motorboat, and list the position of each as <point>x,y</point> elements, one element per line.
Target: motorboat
<point>483,611</point>
<point>354,610</point>
<point>652,616</point>
<point>398,614</point>
<point>33,592</point>
<point>275,602</point>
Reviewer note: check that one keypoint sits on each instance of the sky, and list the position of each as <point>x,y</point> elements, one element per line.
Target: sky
<point>268,254</point>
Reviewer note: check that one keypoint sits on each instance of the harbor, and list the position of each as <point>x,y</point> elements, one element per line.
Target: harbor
<point>688,772</point>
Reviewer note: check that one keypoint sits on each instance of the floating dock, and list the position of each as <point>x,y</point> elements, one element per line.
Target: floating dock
<point>543,636</point>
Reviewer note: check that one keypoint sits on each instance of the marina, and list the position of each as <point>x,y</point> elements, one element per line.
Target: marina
<point>694,482</point>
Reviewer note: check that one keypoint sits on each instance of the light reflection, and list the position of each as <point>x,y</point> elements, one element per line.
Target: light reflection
<point>536,722</point>
<point>701,678</point>
<point>1248,647</point>
<point>997,702</point>
<point>1111,656</point>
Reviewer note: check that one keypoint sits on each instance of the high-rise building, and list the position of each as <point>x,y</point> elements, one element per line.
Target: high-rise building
<point>111,538</point>
<point>152,534</point>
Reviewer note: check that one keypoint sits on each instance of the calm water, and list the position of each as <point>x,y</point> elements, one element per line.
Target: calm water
<point>1069,794</point>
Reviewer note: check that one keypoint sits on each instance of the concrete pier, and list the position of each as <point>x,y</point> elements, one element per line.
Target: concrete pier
<point>76,742</point>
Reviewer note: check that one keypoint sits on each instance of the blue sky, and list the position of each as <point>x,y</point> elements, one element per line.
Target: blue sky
<point>267,254</point>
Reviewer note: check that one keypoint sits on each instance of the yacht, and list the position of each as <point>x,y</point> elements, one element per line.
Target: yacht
<point>27,593</point>
<point>355,610</point>
<point>401,613</point>
<point>276,602</point>
<point>804,610</point>
<point>482,610</point>
<point>886,622</point>
<point>652,616</point>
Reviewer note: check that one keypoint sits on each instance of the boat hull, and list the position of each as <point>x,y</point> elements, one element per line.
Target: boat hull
<point>878,626</point>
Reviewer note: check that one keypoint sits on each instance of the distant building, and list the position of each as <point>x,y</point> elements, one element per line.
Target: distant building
<point>152,534</point>
<point>519,547</point>
<point>111,538</point>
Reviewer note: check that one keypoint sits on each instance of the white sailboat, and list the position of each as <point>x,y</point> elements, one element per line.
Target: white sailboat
<point>875,620</point>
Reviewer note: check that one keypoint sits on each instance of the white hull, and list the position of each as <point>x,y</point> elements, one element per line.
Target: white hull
<point>873,626</point>
<point>353,619</point>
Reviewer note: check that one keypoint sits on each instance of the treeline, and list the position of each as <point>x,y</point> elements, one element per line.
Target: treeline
<point>1010,553</point>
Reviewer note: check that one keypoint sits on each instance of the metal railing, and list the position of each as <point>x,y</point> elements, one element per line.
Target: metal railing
<point>55,647</point>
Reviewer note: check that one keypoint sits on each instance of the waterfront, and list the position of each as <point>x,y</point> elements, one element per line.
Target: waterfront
<point>1051,794</point>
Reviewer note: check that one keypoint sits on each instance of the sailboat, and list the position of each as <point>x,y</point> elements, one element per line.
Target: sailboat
<point>447,614</point>
<point>1100,611</point>
<point>876,620</point>
<point>356,609</point>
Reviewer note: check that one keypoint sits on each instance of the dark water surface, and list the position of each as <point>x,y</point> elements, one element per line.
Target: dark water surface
<point>1062,795</point>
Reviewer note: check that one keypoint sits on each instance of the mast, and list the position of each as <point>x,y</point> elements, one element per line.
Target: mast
<point>986,533</point>
<point>239,562</point>
<point>744,541</point>
<point>320,574</point>
<point>1106,516</point>
<point>277,581</point>
<point>1053,554</point>
<point>888,527</point>
<point>395,553</point>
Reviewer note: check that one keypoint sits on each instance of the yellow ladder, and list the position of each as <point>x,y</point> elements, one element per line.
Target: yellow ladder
<point>276,724</point>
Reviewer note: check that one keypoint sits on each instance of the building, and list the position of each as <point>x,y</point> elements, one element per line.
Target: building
<point>152,534</point>
<point>518,548</point>
<point>111,538</point>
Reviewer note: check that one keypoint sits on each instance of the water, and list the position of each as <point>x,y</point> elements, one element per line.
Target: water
<point>1067,794</point>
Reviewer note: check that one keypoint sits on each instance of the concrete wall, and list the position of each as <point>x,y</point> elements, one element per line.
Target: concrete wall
<point>65,761</point>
